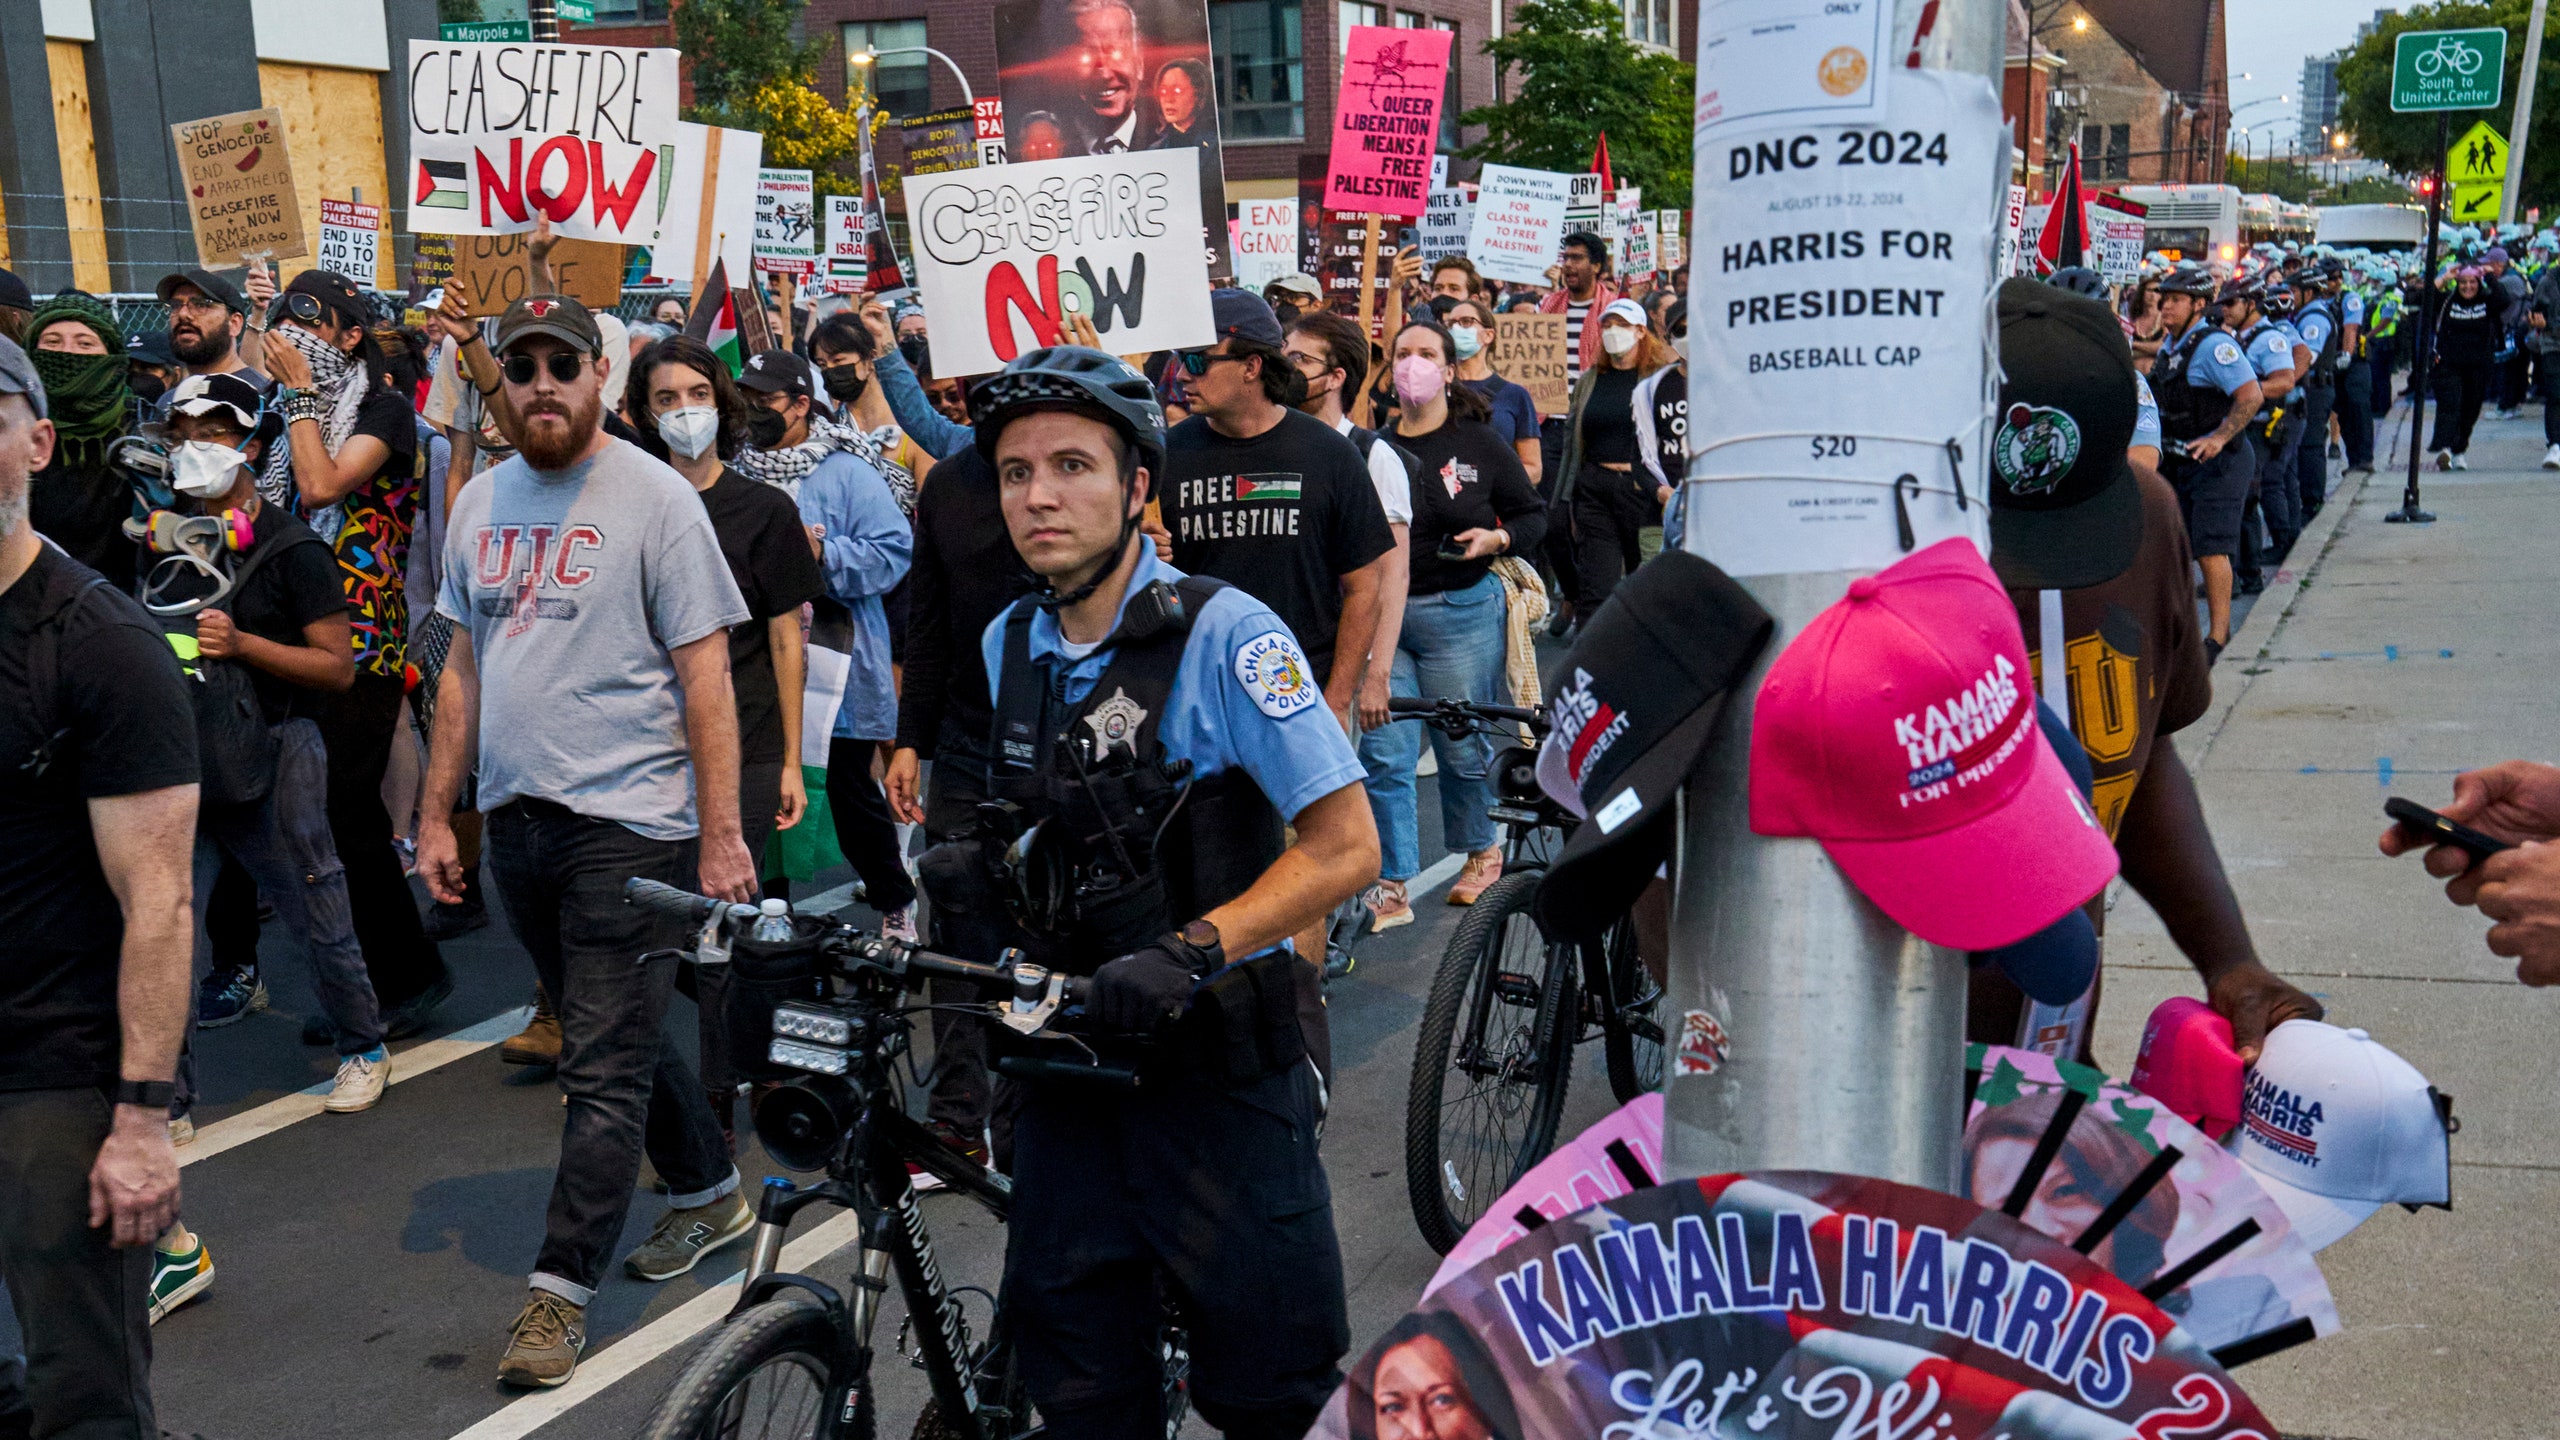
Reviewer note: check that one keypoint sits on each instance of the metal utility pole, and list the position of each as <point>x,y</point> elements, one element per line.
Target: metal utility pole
<point>2430,304</point>
<point>542,17</point>
<point>2521,127</point>
<point>1844,1032</point>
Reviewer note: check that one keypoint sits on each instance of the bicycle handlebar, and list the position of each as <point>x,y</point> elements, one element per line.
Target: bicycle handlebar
<point>1415,707</point>
<point>894,956</point>
<point>659,898</point>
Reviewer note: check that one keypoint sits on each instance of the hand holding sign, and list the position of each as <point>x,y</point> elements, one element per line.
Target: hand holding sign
<point>1388,120</point>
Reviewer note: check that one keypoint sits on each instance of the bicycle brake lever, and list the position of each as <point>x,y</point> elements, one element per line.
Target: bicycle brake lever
<point>1038,992</point>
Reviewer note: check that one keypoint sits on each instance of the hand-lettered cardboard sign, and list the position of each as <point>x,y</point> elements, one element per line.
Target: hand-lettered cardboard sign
<point>239,185</point>
<point>502,133</point>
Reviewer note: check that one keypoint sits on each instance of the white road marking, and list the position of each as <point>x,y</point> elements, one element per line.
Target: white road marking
<point>409,1064</point>
<point>625,1357</point>
<point>1434,876</point>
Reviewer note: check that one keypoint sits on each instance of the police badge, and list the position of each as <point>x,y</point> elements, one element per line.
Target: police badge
<point>1115,724</point>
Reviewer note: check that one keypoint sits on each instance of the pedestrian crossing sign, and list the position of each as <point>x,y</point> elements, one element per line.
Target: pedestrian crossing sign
<point>2474,204</point>
<point>2480,156</point>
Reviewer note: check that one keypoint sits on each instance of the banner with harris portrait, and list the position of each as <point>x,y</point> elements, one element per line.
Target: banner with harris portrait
<point>1102,77</point>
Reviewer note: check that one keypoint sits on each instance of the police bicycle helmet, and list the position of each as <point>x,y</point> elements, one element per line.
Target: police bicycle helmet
<point>1082,381</point>
<point>2079,280</point>
<point>2240,287</point>
<point>2192,280</point>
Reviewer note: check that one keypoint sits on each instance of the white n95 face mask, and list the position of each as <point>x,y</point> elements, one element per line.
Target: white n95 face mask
<point>690,430</point>
<point>202,468</point>
<point>1618,340</point>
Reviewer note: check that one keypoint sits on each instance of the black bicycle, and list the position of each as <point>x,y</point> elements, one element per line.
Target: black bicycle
<point>1494,1057</point>
<point>794,1357</point>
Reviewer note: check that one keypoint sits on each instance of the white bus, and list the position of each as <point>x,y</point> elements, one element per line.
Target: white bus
<point>2190,222</point>
<point>2375,227</point>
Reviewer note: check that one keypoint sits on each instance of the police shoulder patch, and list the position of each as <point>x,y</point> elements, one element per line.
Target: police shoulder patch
<point>1272,671</point>
<point>2226,352</point>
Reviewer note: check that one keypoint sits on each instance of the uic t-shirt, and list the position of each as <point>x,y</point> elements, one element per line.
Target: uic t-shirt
<point>575,585</point>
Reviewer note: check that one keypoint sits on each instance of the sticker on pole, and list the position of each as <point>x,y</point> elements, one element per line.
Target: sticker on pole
<point>1845,332</point>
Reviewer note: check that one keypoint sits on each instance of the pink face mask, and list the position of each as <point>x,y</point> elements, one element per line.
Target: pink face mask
<point>1419,381</point>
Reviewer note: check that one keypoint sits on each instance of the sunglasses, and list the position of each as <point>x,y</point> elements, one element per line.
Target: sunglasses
<point>1196,363</point>
<point>563,365</point>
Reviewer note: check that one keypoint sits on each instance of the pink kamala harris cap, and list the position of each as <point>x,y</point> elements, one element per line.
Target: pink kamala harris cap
<point>1899,729</point>
<point>2188,1065</point>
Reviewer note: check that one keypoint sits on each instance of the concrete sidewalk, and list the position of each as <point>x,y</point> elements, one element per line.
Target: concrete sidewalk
<point>2388,658</point>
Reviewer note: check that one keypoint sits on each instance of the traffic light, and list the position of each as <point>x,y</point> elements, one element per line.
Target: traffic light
<point>2426,187</point>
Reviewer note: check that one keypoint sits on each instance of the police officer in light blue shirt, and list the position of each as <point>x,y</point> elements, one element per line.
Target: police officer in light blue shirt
<point>2272,352</point>
<point>2146,421</point>
<point>1152,732</point>
<point>2206,391</point>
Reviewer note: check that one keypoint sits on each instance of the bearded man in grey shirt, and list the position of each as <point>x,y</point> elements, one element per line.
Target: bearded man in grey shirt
<point>589,685</point>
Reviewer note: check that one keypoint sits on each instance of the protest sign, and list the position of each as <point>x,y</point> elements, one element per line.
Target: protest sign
<point>495,271</point>
<point>786,222</point>
<point>502,134</point>
<point>1386,118</point>
<point>1103,79</point>
<point>239,186</point>
<point>1332,241</point>
<point>1266,242</point>
<point>350,239</point>
<point>2117,225</point>
<point>2013,221</point>
<point>1519,223</point>
<point>986,118</point>
<point>848,257</point>
<point>715,172</point>
<point>1003,256</point>
<point>1583,204</point>
<point>941,140</point>
<point>1639,244</point>
<point>1669,251</point>
<point>1444,224</point>
<point>1528,348</point>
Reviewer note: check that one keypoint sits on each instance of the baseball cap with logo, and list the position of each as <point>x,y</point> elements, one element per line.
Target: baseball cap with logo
<point>1899,729</point>
<point>2066,511</point>
<point>557,316</point>
<point>2335,1127</point>
<point>1630,713</point>
<point>777,372</point>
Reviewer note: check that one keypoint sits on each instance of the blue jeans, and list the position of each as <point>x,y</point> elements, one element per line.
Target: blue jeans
<point>1451,647</point>
<point>285,843</point>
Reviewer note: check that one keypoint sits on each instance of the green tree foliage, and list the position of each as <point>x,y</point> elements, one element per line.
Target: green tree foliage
<point>457,12</point>
<point>1574,74</point>
<point>2408,142</point>
<point>736,48</point>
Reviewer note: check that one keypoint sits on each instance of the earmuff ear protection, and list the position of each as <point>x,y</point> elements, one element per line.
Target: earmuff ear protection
<point>203,536</point>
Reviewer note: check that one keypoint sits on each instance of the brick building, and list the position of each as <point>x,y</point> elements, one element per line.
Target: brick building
<point>2142,85</point>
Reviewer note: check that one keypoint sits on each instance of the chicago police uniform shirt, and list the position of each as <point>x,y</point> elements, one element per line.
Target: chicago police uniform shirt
<point>1243,695</point>
<point>2219,363</point>
<point>1282,516</point>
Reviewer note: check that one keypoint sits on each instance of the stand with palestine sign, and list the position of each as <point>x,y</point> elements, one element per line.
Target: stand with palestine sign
<point>2441,71</point>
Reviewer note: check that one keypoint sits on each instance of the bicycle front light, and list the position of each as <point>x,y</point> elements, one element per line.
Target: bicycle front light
<point>823,1027</point>
<point>814,1059</point>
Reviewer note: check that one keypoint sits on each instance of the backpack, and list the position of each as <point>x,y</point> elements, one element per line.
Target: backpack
<point>235,748</point>
<point>44,675</point>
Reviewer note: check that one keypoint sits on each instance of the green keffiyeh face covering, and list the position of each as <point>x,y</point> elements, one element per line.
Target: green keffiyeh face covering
<point>86,395</point>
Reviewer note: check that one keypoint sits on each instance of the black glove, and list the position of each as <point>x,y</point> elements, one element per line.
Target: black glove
<point>1142,989</point>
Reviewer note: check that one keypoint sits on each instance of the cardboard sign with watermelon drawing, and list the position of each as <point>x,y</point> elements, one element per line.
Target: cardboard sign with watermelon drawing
<point>239,185</point>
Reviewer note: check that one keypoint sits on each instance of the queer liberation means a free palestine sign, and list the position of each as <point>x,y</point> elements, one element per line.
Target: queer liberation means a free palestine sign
<point>1005,254</point>
<point>503,134</point>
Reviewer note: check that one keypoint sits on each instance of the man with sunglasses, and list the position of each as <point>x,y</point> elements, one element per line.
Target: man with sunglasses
<point>588,684</point>
<point>351,460</point>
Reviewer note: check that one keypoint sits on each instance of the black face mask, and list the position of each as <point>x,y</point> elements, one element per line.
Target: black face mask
<point>915,350</point>
<point>765,428</point>
<point>146,387</point>
<point>1283,311</point>
<point>844,382</point>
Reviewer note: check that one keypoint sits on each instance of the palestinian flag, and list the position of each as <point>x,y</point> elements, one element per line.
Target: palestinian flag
<point>713,319</point>
<point>1267,487</point>
<point>441,185</point>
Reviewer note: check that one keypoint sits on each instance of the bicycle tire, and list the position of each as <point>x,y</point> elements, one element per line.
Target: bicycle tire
<point>793,1326</point>
<point>1631,1032</point>
<point>1535,1058</point>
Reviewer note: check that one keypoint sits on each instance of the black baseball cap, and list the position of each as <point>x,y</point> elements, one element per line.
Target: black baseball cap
<point>557,316</point>
<point>214,286</point>
<point>151,347</point>
<point>1244,315</point>
<point>14,293</point>
<point>777,372</point>
<point>334,291</point>
<point>1629,716</point>
<point>2066,511</point>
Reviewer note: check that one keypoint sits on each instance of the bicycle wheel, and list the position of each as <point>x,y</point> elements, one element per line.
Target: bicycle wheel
<point>1631,1015</point>
<point>763,1376</point>
<point>1499,1025</point>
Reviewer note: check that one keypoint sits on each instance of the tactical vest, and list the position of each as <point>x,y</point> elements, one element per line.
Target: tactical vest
<point>2188,411</point>
<point>2324,366</point>
<point>1150,844</point>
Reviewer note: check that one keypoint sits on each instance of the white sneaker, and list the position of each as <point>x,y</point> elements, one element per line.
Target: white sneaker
<point>2461,462</point>
<point>900,925</point>
<point>2551,458</point>
<point>360,1083</point>
<point>2444,459</point>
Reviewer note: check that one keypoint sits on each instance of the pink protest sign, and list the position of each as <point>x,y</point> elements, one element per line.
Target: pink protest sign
<point>1387,120</point>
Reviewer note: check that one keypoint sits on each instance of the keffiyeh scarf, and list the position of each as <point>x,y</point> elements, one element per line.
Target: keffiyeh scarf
<point>786,466</point>
<point>335,398</point>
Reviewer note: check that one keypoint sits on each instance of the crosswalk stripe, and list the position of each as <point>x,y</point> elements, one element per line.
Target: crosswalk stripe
<point>237,1130</point>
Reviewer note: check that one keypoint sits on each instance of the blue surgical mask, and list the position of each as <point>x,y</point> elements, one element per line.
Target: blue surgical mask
<point>1468,339</point>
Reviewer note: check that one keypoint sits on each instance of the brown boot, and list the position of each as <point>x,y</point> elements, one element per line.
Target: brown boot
<point>538,1043</point>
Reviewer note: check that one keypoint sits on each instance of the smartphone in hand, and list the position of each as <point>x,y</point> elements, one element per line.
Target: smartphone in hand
<point>2427,825</point>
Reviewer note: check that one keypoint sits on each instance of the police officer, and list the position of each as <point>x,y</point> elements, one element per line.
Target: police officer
<point>1158,728</point>
<point>2207,392</point>
<point>2273,352</point>
<point>2355,375</point>
<point>2319,321</point>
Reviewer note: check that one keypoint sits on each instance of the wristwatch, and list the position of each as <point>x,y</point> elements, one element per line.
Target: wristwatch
<point>154,1093</point>
<point>1198,943</point>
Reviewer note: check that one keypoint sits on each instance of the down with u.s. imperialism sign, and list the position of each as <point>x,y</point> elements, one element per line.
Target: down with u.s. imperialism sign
<point>505,133</point>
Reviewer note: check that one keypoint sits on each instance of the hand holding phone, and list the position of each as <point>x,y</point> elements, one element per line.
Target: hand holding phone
<point>2429,827</point>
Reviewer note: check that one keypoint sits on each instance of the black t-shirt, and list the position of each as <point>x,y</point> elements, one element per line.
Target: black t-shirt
<point>82,508</point>
<point>966,572</point>
<point>768,553</point>
<point>1609,417</point>
<point>1282,516</point>
<point>1671,426</point>
<point>125,726</point>
<point>290,589</point>
<point>1469,479</point>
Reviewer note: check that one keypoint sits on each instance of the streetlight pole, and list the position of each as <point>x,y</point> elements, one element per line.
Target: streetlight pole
<point>869,59</point>
<point>2522,125</point>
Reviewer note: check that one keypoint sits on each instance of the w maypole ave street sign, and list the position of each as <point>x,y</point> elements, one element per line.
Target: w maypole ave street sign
<point>2448,69</point>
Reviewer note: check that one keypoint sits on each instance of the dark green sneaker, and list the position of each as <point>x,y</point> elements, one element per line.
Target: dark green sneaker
<point>683,1237</point>
<point>178,1277</point>
<point>544,1345</point>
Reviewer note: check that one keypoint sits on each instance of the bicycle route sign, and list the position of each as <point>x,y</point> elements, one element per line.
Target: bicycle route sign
<point>2448,69</point>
